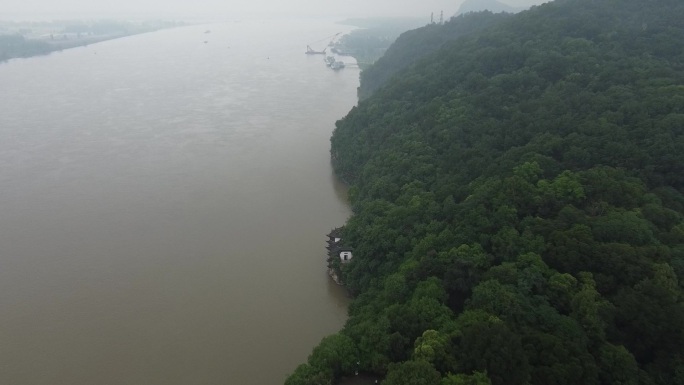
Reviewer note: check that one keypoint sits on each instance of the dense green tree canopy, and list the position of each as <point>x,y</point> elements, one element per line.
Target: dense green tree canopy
<point>517,195</point>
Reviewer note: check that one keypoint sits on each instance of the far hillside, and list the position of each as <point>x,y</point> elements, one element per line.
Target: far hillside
<point>413,45</point>
<point>486,5</point>
<point>369,42</point>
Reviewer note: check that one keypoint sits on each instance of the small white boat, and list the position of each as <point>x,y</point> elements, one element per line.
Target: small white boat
<point>337,65</point>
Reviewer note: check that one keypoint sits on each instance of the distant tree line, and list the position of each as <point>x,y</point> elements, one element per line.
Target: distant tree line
<point>368,43</point>
<point>17,46</point>
<point>74,34</point>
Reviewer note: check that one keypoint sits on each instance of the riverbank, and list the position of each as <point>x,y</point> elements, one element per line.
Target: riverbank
<point>372,38</point>
<point>28,39</point>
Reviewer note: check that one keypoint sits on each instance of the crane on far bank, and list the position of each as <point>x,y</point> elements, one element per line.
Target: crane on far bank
<point>311,51</point>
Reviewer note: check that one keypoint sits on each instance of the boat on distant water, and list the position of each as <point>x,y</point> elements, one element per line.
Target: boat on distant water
<point>329,60</point>
<point>337,65</point>
<point>311,51</point>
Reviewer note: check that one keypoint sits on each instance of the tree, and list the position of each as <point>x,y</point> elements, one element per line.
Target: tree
<point>477,378</point>
<point>435,348</point>
<point>617,365</point>
<point>336,355</point>
<point>414,372</point>
<point>489,345</point>
<point>305,374</point>
<point>588,307</point>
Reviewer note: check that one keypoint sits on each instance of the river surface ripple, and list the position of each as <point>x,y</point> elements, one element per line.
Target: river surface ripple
<point>163,205</point>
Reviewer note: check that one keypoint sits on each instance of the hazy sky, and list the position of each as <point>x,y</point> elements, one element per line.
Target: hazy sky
<point>232,8</point>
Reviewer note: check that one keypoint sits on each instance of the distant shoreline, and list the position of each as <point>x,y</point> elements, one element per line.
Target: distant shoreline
<point>46,39</point>
<point>84,41</point>
<point>56,46</point>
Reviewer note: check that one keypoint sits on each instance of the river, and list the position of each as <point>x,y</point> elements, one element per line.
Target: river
<point>164,204</point>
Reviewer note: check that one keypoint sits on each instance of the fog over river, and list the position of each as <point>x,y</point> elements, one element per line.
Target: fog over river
<point>164,202</point>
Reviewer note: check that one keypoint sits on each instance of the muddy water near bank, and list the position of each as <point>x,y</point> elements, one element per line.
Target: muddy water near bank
<point>164,207</point>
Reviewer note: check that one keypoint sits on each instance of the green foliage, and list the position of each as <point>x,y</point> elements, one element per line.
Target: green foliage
<point>495,348</point>
<point>368,43</point>
<point>431,346</point>
<point>618,365</point>
<point>305,374</point>
<point>477,378</point>
<point>587,307</point>
<point>416,372</point>
<point>623,227</point>
<point>336,354</point>
<point>518,199</point>
<point>412,45</point>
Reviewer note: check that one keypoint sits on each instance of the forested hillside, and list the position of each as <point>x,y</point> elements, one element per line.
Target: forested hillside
<point>486,5</point>
<point>518,206</point>
<point>415,44</point>
<point>369,42</point>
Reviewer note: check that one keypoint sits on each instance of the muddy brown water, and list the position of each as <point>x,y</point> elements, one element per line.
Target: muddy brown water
<point>163,207</point>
